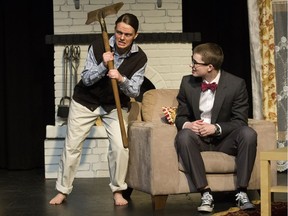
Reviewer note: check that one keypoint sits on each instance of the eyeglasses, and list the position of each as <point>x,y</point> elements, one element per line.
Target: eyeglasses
<point>194,63</point>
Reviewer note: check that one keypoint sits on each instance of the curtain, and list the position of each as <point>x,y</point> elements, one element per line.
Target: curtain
<point>266,26</point>
<point>268,50</point>
<point>280,15</point>
<point>27,82</point>
<point>256,60</point>
<point>261,29</point>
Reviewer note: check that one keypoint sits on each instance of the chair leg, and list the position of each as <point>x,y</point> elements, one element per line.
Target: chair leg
<point>159,201</point>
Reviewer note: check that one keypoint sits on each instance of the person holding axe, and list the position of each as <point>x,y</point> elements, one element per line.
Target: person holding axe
<point>93,97</point>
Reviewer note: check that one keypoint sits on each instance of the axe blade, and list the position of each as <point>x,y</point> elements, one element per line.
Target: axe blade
<point>96,15</point>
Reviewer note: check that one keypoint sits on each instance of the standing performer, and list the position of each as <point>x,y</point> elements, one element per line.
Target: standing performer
<point>93,98</point>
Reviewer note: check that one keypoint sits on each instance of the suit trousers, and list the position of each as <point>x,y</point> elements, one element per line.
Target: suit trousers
<point>80,122</point>
<point>241,142</point>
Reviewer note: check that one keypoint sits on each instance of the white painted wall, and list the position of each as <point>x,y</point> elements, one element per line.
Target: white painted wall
<point>167,63</point>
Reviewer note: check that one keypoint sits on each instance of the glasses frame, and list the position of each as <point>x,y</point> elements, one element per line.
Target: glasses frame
<point>194,63</point>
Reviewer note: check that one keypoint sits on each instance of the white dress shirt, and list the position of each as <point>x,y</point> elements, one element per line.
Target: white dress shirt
<point>207,101</point>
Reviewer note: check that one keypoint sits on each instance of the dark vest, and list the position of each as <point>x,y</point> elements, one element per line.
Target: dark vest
<point>101,92</point>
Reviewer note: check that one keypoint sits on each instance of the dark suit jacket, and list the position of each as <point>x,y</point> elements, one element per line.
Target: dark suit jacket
<point>230,109</point>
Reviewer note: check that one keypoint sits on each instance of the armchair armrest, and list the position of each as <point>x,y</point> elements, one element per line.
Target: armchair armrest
<point>266,140</point>
<point>266,131</point>
<point>152,144</point>
<point>134,111</point>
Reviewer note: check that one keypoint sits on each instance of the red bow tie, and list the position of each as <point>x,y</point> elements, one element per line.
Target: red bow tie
<point>205,86</point>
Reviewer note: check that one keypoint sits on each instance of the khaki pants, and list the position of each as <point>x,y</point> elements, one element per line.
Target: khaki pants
<point>80,122</point>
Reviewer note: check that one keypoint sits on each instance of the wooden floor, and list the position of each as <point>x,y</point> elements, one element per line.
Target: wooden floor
<point>27,193</point>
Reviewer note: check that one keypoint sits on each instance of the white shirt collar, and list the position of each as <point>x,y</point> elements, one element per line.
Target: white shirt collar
<point>216,80</point>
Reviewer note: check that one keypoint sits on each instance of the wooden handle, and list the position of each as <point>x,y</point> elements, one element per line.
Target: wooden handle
<point>119,111</point>
<point>116,93</point>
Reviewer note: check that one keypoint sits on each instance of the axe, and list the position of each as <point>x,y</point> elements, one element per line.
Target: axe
<point>99,15</point>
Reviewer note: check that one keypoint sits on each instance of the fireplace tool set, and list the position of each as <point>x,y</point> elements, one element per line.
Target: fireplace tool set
<point>71,61</point>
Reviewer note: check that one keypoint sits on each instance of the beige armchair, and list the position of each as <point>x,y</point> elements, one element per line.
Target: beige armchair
<point>153,164</point>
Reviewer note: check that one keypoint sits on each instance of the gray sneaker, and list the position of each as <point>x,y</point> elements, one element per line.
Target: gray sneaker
<point>243,201</point>
<point>207,203</point>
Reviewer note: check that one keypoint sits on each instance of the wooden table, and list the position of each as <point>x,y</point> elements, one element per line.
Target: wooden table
<point>265,172</point>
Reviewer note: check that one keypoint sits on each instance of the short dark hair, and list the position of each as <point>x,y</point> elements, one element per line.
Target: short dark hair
<point>129,19</point>
<point>211,53</point>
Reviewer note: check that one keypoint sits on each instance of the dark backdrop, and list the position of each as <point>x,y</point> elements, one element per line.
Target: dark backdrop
<point>27,82</point>
<point>226,23</point>
<point>27,73</point>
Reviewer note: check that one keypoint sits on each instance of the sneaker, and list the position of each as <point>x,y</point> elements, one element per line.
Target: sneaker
<point>243,201</point>
<point>207,203</point>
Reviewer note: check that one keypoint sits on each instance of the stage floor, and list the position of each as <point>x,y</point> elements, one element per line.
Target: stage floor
<point>27,193</point>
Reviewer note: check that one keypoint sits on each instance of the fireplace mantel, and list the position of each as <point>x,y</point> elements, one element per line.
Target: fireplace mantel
<point>86,39</point>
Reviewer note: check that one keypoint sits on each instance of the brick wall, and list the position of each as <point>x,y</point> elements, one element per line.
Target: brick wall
<point>167,63</point>
<point>68,20</point>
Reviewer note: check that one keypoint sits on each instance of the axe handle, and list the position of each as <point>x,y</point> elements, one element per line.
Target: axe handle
<point>115,92</point>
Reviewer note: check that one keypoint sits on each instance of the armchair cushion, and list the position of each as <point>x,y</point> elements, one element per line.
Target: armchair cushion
<point>213,162</point>
<point>153,101</point>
